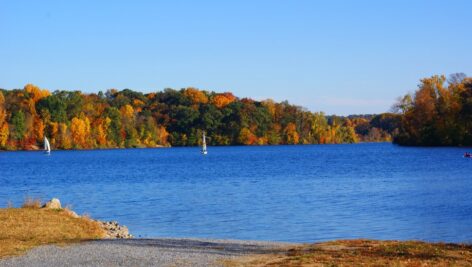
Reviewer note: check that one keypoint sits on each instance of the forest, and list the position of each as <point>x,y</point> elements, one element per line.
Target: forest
<point>438,113</point>
<point>127,118</point>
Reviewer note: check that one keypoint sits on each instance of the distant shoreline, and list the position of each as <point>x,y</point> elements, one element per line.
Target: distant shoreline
<point>160,147</point>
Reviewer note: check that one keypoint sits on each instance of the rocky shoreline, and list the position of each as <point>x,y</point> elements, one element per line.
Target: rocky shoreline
<point>115,230</point>
<point>112,229</point>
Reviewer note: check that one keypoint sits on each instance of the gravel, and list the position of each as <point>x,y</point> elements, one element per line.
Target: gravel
<point>144,252</point>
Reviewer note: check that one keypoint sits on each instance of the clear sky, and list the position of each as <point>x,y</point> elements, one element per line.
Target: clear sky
<point>341,57</point>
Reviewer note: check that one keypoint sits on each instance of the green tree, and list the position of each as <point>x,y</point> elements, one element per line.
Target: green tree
<point>55,107</point>
<point>19,126</point>
<point>115,133</point>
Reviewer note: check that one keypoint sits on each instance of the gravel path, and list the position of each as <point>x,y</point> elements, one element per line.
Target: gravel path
<point>144,252</point>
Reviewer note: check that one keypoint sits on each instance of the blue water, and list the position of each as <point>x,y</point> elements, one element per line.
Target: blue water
<point>285,193</point>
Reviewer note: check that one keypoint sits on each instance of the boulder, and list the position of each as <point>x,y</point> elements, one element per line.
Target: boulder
<point>53,204</point>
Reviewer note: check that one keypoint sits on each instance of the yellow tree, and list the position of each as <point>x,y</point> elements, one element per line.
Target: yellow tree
<point>319,127</point>
<point>80,131</point>
<point>59,135</point>
<point>101,132</point>
<point>333,129</point>
<point>246,137</point>
<point>64,137</point>
<point>54,133</point>
<point>291,135</point>
<point>162,135</point>
<point>262,140</point>
<point>35,92</point>
<point>270,105</point>
<point>426,98</point>
<point>4,129</point>
<point>38,129</point>
<point>196,96</point>
<point>127,112</point>
<point>222,100</point>
<point>4,133</point>
<point>130,132</point>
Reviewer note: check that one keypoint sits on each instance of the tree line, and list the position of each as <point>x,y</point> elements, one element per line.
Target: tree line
<point>127,118</point>
<point>438,113</point>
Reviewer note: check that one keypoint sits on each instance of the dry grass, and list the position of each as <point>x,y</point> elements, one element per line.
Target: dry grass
<point>27,227</point>
<point>31,203</point>
<point>366,253</point>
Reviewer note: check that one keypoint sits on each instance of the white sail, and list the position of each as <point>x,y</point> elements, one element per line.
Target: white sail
<point>47,147</point>
<point>204,146</point>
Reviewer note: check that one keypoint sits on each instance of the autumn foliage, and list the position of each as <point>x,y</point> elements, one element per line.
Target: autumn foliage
<point>126,118</point>
<point>439,113</point>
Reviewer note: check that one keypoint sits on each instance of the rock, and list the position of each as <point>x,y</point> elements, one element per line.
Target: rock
<point>114,230</point>
<point>53,204</point>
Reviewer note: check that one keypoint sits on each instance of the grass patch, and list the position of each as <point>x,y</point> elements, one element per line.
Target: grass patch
<point>30,203</point>
<point>366,253</point>
<point>30,226</point>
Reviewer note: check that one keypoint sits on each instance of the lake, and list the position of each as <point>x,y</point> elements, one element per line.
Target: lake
<point>285,193</point>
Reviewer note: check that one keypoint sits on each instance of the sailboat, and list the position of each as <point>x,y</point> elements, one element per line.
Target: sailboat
<point>204,145</point>
<point>47,146</point>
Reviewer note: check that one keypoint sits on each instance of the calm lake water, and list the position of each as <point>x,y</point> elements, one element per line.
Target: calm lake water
<point>285,193</point>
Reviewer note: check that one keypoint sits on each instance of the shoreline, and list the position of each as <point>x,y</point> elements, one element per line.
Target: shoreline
<point>83,149</point>
<point>164,147</point>
<point>49,235</point>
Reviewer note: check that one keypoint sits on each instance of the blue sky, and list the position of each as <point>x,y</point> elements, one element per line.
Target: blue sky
<point>341,57</point>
